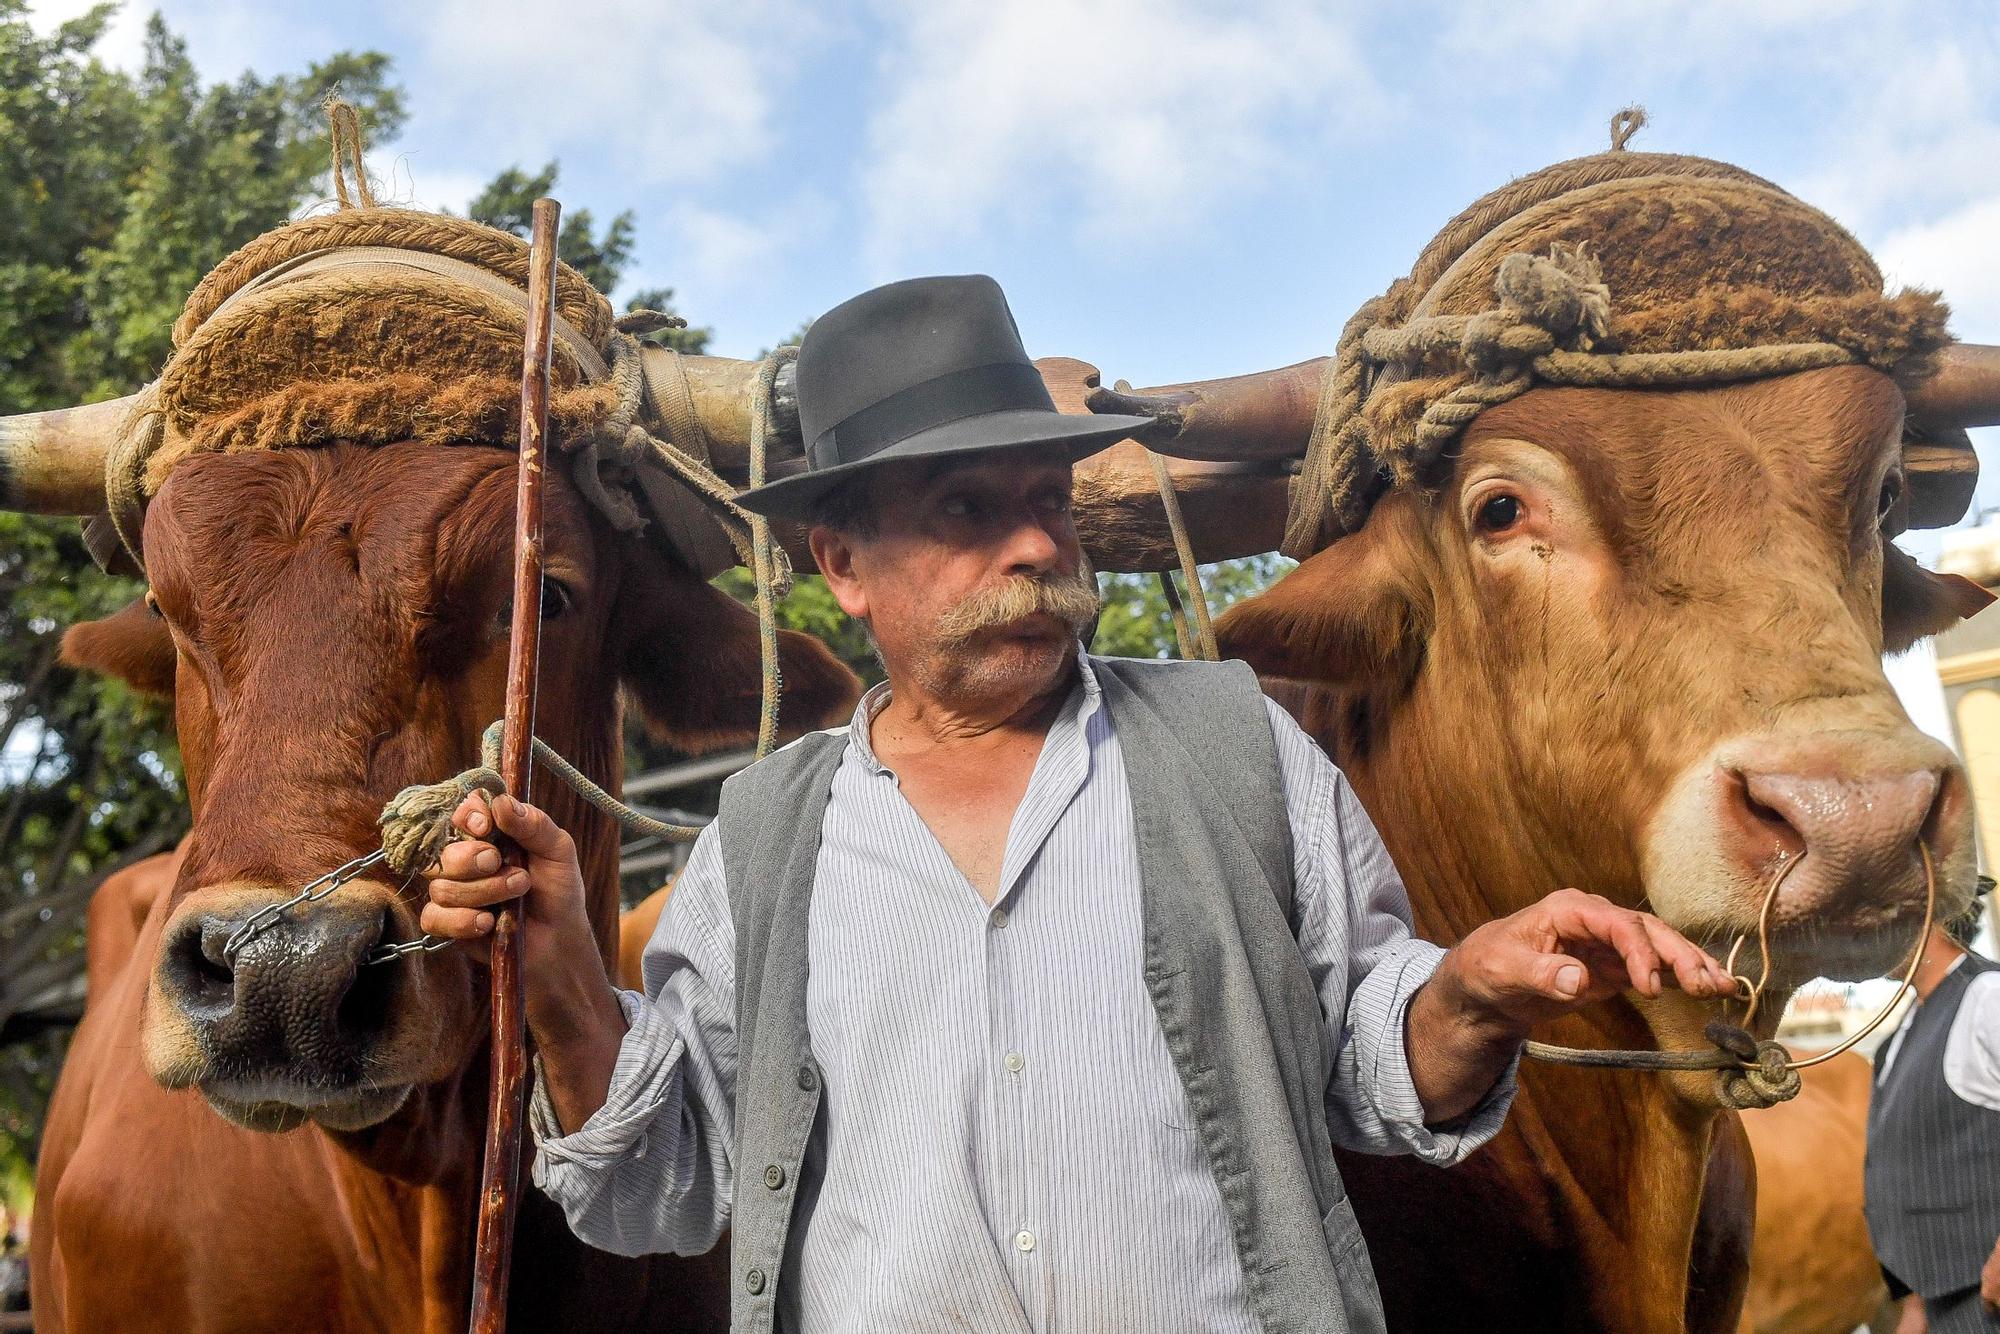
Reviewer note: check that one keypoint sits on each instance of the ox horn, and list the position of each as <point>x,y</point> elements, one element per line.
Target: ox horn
<point>1965,391</point>
<point>53,462</point>
<point>1268,415</point>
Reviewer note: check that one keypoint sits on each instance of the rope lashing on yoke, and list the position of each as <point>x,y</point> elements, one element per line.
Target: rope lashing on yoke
<point>1753,1073</point>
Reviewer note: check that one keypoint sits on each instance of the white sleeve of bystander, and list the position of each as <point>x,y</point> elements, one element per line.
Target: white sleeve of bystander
<point>1972,1049</point>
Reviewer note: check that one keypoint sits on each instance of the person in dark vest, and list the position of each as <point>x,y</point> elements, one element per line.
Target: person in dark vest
<point>1036,997</point>
<point>1933,1177</point>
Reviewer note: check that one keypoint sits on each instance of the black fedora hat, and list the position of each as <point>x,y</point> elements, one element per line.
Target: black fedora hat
<point>919,369</point>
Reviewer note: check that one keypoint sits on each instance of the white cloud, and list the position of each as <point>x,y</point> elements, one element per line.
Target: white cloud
<point>405,178</point>
<point>672,93</point>
<point>1129,115</point>
<point>123,44</point>
<point>1960,253</point>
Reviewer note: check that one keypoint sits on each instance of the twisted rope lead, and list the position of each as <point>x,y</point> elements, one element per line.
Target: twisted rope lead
<point>763,566</point>
<point>1202,642</point>
<point>1752,1073</point>
<point>416,824</point>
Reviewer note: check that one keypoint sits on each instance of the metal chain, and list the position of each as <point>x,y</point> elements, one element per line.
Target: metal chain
<point>269,916</point>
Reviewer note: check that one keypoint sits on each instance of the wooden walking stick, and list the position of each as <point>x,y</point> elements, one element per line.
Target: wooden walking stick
<point>499,1185</point>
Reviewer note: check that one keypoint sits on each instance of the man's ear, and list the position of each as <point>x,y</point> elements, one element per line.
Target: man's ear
<point>1350,615</point>
<point>835,559</point>
<point>1918,603</point>
<point>132,644</point>
<point>689,658</point>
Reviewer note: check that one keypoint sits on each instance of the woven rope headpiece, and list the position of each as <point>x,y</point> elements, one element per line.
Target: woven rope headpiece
<point>377,325</point>
<point>1617,270</point>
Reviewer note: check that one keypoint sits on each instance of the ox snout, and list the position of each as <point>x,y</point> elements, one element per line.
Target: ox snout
<point>294,1023</point>
<point>1845,813</point>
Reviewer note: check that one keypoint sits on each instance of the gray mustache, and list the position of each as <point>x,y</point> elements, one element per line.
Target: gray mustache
<point>1070,598</point>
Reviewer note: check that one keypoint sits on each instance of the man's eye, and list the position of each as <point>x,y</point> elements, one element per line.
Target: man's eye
<point>960,507</point>
<point>1057,502</point>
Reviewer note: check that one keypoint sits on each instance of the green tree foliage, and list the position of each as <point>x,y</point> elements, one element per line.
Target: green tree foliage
<point>508,202</point>
<point>117,193</point>
<point>1135,621</point>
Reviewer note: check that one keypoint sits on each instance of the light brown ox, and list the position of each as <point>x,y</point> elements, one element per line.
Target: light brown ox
<point>1631,643</point>
<point>331,625</point>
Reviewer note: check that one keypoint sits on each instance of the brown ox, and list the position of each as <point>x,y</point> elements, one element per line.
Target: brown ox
<point>331,624</point>
<point>1632,642</point>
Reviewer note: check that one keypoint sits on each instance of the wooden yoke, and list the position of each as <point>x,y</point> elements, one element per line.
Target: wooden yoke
<point>1233,498</point>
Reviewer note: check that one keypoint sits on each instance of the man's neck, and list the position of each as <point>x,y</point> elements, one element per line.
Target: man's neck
<point>916,719</point>
<point>1940,953</point>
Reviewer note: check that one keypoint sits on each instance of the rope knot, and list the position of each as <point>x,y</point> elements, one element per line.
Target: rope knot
<point>416,824</point>
<point>1562,292</point>
<point>1766,1076</point>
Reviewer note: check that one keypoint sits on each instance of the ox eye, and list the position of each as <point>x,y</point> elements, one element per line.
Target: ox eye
<point>153,605</point>
<point>1499,513</point>
<point>556,598</point>
<point>1892,491</point>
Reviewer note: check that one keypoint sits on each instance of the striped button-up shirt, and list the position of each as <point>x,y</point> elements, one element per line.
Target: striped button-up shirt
<point>1003,1143</point>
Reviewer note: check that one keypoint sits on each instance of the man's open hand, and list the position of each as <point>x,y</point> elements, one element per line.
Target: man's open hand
<point>1566,951</point>
<point>1467,1022</point>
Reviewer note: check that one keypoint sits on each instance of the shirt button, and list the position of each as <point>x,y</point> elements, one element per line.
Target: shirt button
<point>808,1078</point>
<point>774,1176</point>
<point>754,1280</point>
<point>998,917</point>
<point>1014,1062</point>
<point>1024,1241</point>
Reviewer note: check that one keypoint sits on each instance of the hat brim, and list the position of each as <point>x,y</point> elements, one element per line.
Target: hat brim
<point>1070,435</point>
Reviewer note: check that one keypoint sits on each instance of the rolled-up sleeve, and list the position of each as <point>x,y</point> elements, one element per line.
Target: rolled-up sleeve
<point>651,1171</point>
<point>1356,935</point>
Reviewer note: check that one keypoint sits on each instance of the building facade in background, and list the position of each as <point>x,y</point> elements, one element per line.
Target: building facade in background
<point>1968,668</point>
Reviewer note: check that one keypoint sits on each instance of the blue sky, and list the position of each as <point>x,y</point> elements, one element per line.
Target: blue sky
<point>1165,188</point>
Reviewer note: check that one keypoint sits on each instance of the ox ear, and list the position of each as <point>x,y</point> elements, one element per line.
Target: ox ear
<point>1918,603</point>
<point>1353,614</point>
<point>132,644</point>
<point>690,660</point>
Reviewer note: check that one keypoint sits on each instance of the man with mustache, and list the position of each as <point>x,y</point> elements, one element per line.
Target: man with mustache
<point>1035,997</point>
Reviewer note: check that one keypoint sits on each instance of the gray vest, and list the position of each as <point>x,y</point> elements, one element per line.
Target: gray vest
<point>1222,964</point>
<point>1933,1187</point>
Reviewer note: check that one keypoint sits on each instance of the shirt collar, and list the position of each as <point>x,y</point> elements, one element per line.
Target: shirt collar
<point>1085,698</point>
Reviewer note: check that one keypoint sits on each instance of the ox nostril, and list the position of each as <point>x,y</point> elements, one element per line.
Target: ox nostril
<point>1945,808</point>
<point>365,1009</point>
<point>197,970</point>
<point>1765,816</point>
<point>1853,818</point>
